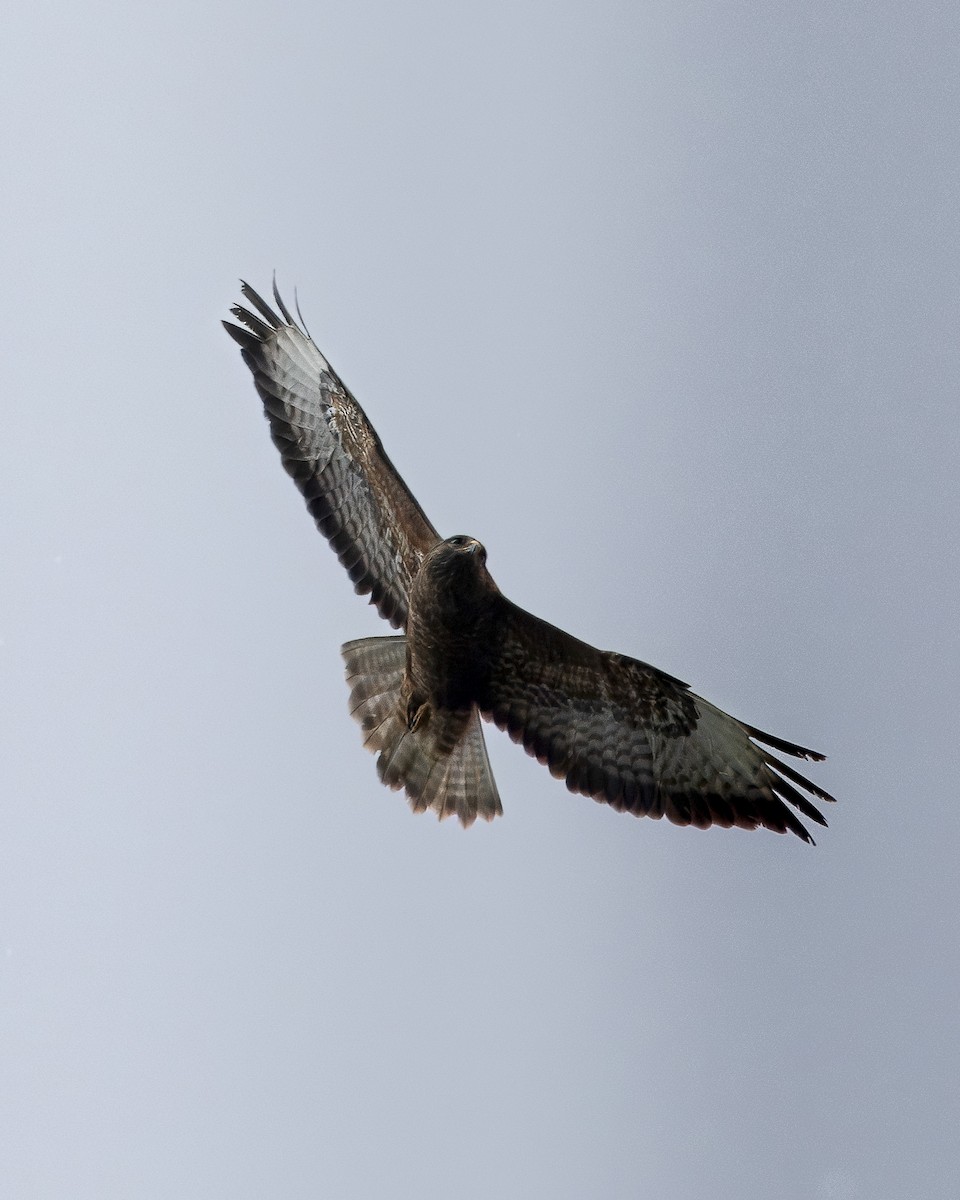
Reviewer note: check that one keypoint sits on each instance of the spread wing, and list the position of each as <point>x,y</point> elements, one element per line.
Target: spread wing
<point>333,453</point>
<point>632,737</point>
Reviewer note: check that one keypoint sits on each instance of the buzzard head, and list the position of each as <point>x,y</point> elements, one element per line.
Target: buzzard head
<point>453,575</point>
<point>462,544</point>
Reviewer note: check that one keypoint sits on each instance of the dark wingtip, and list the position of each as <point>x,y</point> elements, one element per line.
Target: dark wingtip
<point>261,331</point>
<point>243,337</point>
<point>280,304</point>
<point>795,825</point>
<point>800,780</point>
<point>785,747</point>
<point>303,324</point>
<point>262,307</point>
<point>273,322</point>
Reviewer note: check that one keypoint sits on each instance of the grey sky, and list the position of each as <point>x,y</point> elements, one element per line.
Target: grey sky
<point>674,288</point>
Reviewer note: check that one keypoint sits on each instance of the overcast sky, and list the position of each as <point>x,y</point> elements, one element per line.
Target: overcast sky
<point>661,302</point>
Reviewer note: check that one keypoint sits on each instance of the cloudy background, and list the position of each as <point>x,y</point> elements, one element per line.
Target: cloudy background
<point>661,302</point>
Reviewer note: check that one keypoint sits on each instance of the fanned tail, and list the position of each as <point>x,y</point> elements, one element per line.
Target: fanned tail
<point>441,764</point>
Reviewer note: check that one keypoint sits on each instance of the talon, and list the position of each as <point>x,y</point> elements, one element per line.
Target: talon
<point>417,716</point>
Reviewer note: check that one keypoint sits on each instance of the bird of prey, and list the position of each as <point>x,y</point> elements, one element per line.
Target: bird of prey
<point>612,727</point>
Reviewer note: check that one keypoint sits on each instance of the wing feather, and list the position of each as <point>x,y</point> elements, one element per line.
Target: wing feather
<point>635,738</point>
<point>355,495</point>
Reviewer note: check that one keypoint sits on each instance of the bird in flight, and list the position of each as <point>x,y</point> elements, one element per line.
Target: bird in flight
<point>612,727</point>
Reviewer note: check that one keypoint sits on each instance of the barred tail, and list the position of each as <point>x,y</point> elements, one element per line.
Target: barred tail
<point>442,764</point>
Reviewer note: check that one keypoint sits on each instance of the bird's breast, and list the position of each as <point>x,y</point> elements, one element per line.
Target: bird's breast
<point>448,646</point>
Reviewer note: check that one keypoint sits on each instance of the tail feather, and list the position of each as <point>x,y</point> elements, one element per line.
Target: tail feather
<point>442,764</point>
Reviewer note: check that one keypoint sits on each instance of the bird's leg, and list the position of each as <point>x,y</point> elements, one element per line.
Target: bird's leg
<point>418,713</point>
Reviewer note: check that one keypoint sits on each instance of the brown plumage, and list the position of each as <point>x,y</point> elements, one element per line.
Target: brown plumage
<point>613,728</point>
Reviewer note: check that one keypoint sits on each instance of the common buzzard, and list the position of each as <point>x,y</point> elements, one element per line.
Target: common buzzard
<point>614,728</point>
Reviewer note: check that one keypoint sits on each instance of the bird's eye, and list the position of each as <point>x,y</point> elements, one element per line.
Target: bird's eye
<point>459,540</point>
